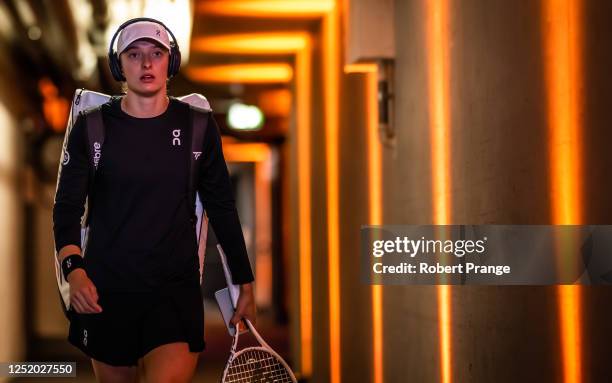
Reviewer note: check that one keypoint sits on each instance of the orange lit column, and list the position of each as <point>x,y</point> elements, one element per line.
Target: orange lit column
<point>562,60</point>
<point>375,203</point>
<point>439,114</point>
<point>375,192</point>
<point>303,94</point>
<point>331,75</point>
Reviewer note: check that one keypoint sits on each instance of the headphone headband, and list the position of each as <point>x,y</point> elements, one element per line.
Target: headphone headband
<point>136,20</point>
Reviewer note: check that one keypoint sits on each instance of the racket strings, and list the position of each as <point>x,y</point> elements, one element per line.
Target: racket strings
<point>257,366</point>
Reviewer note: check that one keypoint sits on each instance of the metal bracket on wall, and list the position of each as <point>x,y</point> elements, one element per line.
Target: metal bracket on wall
<point>386,102</point>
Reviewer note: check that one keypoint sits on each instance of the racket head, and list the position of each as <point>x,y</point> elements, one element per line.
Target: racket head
<point>257,364</point>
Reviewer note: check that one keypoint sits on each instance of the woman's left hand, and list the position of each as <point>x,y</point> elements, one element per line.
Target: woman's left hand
<point>245,307</point>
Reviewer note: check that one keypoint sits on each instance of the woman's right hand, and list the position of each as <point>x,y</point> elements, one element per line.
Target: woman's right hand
<point>83,293</point>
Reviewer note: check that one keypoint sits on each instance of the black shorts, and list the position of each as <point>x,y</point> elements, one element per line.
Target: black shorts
<point>132,324</point>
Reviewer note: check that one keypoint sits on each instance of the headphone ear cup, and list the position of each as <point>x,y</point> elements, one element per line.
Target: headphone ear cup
<point>115,67</point>
<point>170,63</point>
<point>174,63</point>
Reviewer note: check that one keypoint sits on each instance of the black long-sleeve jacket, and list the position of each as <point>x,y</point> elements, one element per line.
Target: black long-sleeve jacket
<point>140,232</point>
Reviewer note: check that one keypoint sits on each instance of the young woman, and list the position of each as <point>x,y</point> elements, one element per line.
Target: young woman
<point>136,305</point>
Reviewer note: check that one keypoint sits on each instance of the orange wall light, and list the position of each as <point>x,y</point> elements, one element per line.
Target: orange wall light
<point>252,43</point>
<point>438,56</point>
<point>562,59</point>
<point>269,8</point>
<point>330,36</point>
<point>261,73</point>
<point>375,203</point>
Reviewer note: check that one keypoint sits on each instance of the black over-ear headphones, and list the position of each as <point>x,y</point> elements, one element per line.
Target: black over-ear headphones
<point>174,62</point>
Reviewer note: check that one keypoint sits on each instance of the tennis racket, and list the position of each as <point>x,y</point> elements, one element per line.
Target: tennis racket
<point>252,364</point>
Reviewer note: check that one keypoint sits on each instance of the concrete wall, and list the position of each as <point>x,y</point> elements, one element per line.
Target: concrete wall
<point>597,313</point>
<point>12,331</point>
<point>499,175</point>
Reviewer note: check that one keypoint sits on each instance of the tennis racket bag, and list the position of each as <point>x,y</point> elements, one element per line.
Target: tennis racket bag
<point>88,104</point>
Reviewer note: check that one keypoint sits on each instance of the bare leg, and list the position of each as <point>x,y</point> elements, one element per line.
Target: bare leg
<point>119,374</point>
<point>170,363</point>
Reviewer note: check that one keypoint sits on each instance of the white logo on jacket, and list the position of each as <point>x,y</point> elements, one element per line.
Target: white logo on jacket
<point>176,140</point>
<point>66,158</point>
<point>197,155</point>
<point>97,153</point>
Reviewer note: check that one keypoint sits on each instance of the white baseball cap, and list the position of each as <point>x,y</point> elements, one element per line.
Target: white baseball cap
<point>142,30</point>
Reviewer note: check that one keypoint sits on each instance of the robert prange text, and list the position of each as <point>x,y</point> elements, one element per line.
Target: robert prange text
<point>426,268</point>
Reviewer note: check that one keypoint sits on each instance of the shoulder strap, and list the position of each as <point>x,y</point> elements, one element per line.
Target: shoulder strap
<point>199,123</point>
<point>95,140</point>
